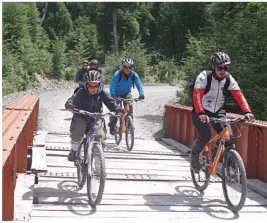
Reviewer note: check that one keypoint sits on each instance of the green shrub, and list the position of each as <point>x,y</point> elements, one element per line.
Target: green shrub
<point>69,73</point>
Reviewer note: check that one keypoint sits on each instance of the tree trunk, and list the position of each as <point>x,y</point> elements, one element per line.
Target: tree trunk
<point>116,40</point>
<point>45,10</point>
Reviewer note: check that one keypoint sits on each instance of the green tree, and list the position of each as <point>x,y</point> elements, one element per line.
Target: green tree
<point>59,23</point>
<point>245,40</point>
<point>14,24</point>
<point>59,58</point>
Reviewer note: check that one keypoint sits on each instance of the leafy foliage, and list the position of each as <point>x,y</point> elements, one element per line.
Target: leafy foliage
<point>168,41</point>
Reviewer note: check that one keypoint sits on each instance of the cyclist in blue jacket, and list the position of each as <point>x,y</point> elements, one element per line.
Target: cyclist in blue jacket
<point>121,84</point>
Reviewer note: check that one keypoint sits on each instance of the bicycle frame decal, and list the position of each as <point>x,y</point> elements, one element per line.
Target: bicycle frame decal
<point>93,129</point>
<point>127,108</point>
<point>222,136</point>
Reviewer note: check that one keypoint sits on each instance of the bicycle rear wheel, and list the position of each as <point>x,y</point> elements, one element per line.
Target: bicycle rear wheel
<point>234,180</point>
<point>96,175</point>
<point>201,179</point>
<point>80,163</point>
<point>129,133</point>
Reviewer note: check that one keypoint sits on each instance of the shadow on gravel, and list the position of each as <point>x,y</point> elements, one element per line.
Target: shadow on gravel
<point>68,119</point>
<point>187,200</point>
<point>159,134</point>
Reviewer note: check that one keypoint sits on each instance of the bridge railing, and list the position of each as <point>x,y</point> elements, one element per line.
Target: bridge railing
<point>251,145</point>
<point>19,121</point>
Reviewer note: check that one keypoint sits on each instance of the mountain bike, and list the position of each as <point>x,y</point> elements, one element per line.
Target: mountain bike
<point>233,169</point>
<point>125,124</point>
<point>90,160</point>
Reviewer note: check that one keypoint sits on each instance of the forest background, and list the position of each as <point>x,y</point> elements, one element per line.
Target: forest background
<point>169,42</point>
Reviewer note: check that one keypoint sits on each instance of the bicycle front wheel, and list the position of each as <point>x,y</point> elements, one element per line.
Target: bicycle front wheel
<point>129,133</point>
<point>234,180</point>
<point>96,175</point>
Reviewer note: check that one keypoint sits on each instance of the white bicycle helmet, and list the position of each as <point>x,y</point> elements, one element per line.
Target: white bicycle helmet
<point>220,58</point>
<point>93,76</point>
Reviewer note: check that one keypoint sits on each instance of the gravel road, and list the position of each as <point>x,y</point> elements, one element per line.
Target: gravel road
<point>148,115</point>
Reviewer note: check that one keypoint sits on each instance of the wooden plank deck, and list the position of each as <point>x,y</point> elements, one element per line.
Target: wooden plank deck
<point>151,182</point>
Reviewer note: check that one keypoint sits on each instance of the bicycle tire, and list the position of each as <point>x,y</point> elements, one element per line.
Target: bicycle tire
<point>231,152</point>
<point>199,187</point>
<point>97,151</point>
<point>117,135</point>
<point>129,127</point>
<point>81,171</point>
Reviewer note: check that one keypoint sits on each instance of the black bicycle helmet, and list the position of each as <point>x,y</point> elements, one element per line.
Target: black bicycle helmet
<point>220,58</point>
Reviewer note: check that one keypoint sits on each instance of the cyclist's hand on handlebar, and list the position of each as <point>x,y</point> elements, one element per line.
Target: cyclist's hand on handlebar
<point>113,96</point>
<point>204,118</point>
<point>70,107</point>
<point>121,111</point>
<point>141,97</point>
<point>250,117</point>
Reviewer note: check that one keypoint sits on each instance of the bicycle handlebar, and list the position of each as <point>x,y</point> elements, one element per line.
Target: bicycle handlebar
<point>130,99</point>
<point>82,112</point>
<point>231,121</point>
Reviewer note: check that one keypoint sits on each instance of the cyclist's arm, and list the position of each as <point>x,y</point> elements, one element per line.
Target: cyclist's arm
<point>198,92</point>
<point>238,95</point>
<point>113,82</point>
<point>109,101</point>
<point>138,84</point>
<point>75,100</point>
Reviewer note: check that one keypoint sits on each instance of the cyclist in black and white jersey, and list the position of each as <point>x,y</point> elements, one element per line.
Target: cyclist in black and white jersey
<point>209,99</point>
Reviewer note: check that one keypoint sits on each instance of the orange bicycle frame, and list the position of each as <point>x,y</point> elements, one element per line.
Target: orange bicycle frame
<point>127,109</point>
<point>223,135</point>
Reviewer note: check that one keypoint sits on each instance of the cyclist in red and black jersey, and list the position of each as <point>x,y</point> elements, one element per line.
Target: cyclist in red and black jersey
<point>211,103</point>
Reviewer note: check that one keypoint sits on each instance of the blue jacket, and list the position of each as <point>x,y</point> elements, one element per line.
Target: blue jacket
<point>124,86</point>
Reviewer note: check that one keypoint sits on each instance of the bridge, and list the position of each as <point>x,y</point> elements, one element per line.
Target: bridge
<point>151,182</point>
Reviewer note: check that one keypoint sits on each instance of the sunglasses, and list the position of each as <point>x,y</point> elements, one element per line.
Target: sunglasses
<point>126,67</point>
<point>93,86</point>
<point>221,68</point>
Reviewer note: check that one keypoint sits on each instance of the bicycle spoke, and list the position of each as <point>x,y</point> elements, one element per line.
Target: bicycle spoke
<point>129,134</point>
<point>234,180</point>
<point>96,180</point>
<point>202,177</point>
<point>95,177</point>
<point>81,168</point>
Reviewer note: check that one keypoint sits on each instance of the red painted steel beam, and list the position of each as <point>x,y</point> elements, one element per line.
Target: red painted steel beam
<point>252,145</point>
<point>27,102</point>
<point>19,120</point>
<point>263,156</point>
